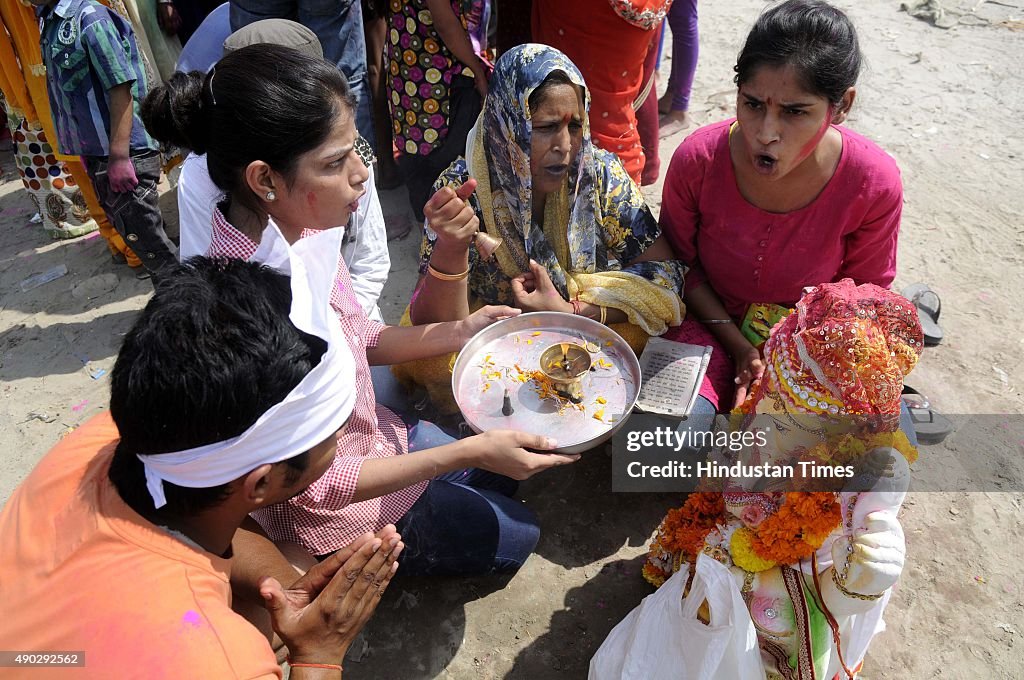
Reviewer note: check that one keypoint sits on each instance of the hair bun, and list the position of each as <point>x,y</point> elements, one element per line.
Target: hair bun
<point>176,112</point>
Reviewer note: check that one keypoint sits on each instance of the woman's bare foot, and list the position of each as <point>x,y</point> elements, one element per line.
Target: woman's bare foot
<point>673,122</point>
<point>665,104</point>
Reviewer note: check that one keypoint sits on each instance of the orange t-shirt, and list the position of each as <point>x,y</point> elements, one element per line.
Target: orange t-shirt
<point>81,571</point>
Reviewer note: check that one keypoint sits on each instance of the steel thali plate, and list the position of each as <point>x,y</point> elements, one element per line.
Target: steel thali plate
<point>505,356</point>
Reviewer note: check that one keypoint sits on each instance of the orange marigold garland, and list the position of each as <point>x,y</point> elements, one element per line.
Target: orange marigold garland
<point>681,535</point>
<point>696,519</point>
<point>797,528</point>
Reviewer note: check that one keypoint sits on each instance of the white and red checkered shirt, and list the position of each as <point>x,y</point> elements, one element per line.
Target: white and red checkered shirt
<point>323,517</point>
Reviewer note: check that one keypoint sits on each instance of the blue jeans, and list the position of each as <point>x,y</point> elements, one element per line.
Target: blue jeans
<point>388,391</point>
<point>907,423</point>
<point>466,522</point>
<point>338,25</point>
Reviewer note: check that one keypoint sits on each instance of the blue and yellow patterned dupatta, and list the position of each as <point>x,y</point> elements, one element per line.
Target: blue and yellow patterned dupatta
<point>597,220</point>
<point>594,227</point>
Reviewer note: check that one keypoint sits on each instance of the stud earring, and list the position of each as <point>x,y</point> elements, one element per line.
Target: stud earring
<point>271,196</point>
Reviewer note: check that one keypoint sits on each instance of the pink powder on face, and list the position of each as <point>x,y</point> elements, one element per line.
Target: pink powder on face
<point>818,136</point>
<point>192,618</point>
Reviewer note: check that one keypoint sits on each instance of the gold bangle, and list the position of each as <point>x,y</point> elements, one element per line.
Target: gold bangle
<point>848,593</point>
<point>446,277</point>
<point>604,314</point>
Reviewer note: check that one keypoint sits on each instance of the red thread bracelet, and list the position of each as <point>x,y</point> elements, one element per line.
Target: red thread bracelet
<point>328,666</point>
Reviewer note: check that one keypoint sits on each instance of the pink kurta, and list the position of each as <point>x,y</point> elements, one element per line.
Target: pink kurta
<point>749,255</point>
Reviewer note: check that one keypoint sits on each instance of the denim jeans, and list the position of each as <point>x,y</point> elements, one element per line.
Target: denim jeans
<point>136,214</point>
<point>338,25</point>
<point>389,392</point>
<point>466,522</point>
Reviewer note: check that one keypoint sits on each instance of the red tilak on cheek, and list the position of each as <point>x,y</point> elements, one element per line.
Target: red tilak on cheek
<point>818,136</point>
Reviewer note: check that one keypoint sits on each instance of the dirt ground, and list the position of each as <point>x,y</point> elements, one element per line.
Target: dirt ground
<point>945,103</point>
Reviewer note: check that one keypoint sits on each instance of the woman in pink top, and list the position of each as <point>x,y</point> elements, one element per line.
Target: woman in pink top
<point>779,198</point>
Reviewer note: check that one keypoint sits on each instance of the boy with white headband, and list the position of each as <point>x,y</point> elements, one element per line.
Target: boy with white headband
<point>228,395</point>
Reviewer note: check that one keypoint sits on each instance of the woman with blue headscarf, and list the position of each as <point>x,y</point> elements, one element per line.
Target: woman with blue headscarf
<point>576,234</point>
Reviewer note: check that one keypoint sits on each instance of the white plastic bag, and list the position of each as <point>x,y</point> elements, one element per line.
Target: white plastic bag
<point>662,639</point>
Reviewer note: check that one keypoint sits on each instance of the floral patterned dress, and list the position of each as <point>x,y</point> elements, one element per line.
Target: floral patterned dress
<point>421,69</point>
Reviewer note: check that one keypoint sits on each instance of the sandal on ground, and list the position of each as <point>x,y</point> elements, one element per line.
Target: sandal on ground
<point>928,306</point>
<point>930,426</point>
<point>914,399</point>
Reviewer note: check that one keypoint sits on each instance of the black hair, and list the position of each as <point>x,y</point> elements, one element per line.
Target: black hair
<point>814,37</point>
<point>542,91</point>
<point>211,352</point>
<point>261,102</point>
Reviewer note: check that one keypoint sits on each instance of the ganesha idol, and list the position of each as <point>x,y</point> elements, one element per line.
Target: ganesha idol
<point>815,568</point>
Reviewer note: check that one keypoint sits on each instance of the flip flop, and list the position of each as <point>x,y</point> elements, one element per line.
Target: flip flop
<point>929,306</point>
<point>914,399</point>
<point>930,426</point>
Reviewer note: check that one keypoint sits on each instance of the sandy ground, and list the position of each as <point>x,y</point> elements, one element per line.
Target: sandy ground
<point>945,103</point>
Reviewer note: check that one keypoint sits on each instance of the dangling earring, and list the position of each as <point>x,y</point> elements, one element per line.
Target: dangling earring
<point>271,196</point>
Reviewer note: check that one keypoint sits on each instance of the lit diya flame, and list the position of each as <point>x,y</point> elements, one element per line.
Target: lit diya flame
<point>564,364</point>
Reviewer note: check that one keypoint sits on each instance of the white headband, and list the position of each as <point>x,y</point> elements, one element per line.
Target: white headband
<point>314,410</point>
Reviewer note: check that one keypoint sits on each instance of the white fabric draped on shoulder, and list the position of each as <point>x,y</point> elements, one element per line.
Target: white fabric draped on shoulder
<point>313,411</point>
